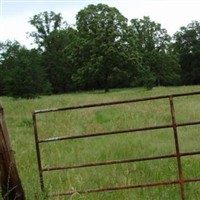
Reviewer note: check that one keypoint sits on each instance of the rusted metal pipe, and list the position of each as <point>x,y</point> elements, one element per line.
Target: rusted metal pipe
<point>114,103</point>
<point>180,171</point>
<point>38,151</point>
<point>54,139</point>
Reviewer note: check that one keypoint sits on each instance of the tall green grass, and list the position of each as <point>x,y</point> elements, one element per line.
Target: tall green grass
<point>18,115</point>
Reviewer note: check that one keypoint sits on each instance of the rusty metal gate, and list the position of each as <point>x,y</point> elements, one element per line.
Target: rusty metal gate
<point>173,125</point>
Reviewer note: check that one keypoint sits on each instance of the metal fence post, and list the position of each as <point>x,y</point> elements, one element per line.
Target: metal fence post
<point>178,156</point>
<point>11,187</point>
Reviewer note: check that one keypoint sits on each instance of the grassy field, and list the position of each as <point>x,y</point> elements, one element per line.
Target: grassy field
<point>18,115</point>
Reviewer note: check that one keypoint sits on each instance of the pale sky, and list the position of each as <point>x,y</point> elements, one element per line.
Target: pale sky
<point>171,14</point>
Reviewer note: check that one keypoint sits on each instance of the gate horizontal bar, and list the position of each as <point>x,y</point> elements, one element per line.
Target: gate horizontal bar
<point>119,188</point>
<point>118,161</point>
<point>126,187</point>
<point>109,162</point>
<point>103,133</point>
<point>114,102</point>
<point>114,132</point>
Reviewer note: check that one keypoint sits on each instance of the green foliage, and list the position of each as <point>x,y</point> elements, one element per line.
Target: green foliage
<point>57,60</point>
<point>24,75</point>
<point>105,48</point>
<point>56,40</point>
<point>187,44</point>
<point>101,51</point>
<point>147,78</point>
<point>154,45</point>
<point>26,123</point>
<point>45,23</point>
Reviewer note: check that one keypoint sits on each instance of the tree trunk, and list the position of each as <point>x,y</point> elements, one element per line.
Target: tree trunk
<point>106,88</point>
<point>106,83</point>
<point>11,187</point>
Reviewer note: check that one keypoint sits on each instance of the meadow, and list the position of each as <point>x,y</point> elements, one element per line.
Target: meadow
<point>18,115</point>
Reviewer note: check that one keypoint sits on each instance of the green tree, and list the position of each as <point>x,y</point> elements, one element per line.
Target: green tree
<point>23,74</point>
<point>187,44</point>
<point>58,59</point>
<point>45,23</point>
<point>56,40</point>
<point>154,45</point>
<point>105,51</point>
<point>8,51</point>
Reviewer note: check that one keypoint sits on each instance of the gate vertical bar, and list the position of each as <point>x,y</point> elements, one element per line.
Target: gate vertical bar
<point>180,171</point>
<point>38,151</point>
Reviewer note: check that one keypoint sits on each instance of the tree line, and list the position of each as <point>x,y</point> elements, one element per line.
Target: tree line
<point>101,51</point>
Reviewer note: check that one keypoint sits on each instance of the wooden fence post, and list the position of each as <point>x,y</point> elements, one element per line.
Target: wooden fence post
<point>11,187</point>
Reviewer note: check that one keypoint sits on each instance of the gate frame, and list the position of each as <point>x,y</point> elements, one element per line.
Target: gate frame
<point>174,125</point>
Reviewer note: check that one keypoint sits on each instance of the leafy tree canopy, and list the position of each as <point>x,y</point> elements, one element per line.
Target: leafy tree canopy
<point>45,23</point>
<point>101,51</point>
<point>154,45</point>
<point>104,46</point>
<point>187,44</point>
<point>23,75</point>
